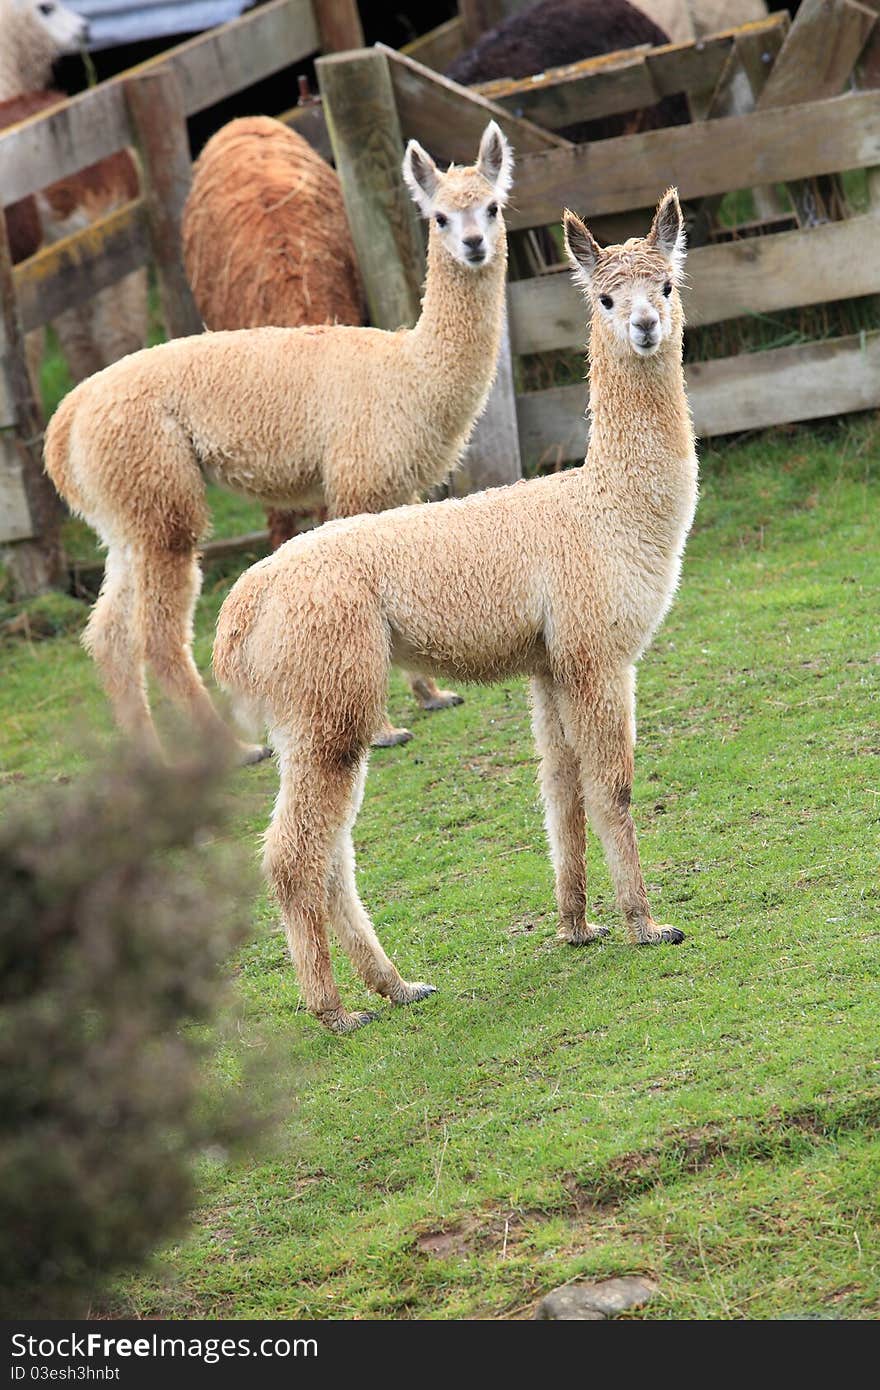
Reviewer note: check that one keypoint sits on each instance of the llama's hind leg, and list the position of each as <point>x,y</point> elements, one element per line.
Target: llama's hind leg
<point>601,723</point>
<point>169,585</point>
<point>352,925</point>
<point>115,640</point>
<point>314,804</point>
<point>564,814</point>
<point>429,696</point>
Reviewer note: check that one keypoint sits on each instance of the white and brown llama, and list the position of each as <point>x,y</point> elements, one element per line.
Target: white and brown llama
<point>351,419</point>
<point>564,579</point>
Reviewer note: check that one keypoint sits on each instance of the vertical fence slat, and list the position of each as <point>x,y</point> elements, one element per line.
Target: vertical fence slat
<point>339,25</point>
<point>156,111</point>
<point>368,150</point>
<point>35,561</point>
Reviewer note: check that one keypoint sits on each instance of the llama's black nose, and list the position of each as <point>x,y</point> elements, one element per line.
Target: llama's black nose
<point>473,243</point>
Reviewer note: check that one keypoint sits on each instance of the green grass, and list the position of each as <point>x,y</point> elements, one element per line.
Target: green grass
<point>706,1114</point>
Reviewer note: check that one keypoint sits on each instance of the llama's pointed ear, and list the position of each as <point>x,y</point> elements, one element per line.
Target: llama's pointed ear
<point>667,230</point>
<point>581,247</point>
<point>421,177</point>
<point>495,160</point>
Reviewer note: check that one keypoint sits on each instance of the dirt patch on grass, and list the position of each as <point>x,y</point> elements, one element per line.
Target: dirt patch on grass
<point>683,1153</point>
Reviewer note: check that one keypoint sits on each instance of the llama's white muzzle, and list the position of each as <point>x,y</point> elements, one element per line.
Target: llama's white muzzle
<point>644,329</point>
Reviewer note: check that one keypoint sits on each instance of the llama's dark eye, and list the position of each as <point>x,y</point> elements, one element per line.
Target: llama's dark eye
<point>45,9</point>
<point>606,301</point>
<point>492,209</point>
<point>441,219</point>
<point>667,288</point>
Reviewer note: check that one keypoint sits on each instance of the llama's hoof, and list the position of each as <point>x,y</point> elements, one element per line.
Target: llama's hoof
<point>413,993</point>
<point>582,935</point>
<point>390,737</point>
<point>662,936</point>
<point>251,753</point>
<point>341,1021</point>
<point>444,699</point>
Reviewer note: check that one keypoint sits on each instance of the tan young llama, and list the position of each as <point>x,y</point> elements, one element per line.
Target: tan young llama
<point>563,578</point>
<point>353,419</point>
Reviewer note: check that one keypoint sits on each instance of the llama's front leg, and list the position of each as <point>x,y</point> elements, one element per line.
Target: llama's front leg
<point>429,696</point>
<point>313,804</point>
<point>601,722</point>
<point>564,815</point>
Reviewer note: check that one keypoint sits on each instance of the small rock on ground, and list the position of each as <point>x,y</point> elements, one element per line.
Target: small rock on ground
<point>595,1302</point>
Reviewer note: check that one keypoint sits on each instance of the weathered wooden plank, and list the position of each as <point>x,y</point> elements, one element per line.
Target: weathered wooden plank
<point>72,271</point>
<point>438,48</point>
<point>368,148</point>
<point>585,91</point>
<point>35,562</point>
<point>752,391</point>
<point>745,71</point>
<point>820,52</point>
<point>448,119</point>
<point>625,80</point>
<point>214,65</point>
<point>339,25</point>
<point>816,61</point>
<point>609,176</point>
<point>15,517</point>
<point>155,107</point>
<point>493,458</point>
<point>757,275</point>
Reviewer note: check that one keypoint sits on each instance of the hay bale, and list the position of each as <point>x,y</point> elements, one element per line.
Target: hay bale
<point>265,236</point>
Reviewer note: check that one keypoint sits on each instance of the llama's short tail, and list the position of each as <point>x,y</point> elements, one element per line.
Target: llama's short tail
<point>56,450</point>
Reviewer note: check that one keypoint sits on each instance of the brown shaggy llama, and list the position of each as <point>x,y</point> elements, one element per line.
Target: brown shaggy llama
<point>564,578</point>
<point>266,242</point>
<point>353,419</point>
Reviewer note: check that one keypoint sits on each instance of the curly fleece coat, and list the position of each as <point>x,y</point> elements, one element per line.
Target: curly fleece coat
<point>564,579</point>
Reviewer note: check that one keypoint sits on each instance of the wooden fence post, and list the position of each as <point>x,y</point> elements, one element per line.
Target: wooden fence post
<point>339,25</point>
<point>29,509</point>
<point>368,151</point>
<point>158,121</point>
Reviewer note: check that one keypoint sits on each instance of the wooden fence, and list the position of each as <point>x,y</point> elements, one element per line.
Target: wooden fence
<point>773,103</point>
<point>146,107</point>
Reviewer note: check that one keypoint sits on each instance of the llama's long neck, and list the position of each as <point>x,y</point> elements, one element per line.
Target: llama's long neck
<point>640,473</point>
<point>455,343</point>
<point>26,55</point>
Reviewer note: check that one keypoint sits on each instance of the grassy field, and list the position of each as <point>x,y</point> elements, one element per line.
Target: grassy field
<point>706,1114</point>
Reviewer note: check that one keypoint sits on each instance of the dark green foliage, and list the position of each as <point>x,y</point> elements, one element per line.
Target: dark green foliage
<point>116,915</point>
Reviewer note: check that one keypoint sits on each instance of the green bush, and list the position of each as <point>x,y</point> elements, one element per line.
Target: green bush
<point>117,911</point>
